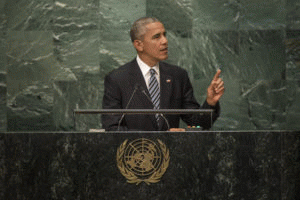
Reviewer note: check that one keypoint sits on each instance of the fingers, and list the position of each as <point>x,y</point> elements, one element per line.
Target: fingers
<point>216,89</point>
<point>176,129</point>
<point>217,75</point>
<point>217,83</point>
<point>219,89</point>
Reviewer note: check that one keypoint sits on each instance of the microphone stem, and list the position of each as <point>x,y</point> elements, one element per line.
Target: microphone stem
<point>123,115</point>
<point>162,115</point>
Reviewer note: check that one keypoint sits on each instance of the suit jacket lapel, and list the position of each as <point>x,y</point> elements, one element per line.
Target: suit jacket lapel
<point>136,76</point>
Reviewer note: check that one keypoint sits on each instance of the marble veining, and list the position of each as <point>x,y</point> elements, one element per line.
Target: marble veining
<point>65,48</point>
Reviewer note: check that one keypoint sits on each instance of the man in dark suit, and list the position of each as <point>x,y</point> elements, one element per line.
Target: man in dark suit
<point>135,86</point>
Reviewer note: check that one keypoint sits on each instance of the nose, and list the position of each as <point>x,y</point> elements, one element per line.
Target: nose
<point>164,40</point>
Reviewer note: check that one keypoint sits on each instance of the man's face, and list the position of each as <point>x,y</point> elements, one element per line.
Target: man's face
<point>154,46</point>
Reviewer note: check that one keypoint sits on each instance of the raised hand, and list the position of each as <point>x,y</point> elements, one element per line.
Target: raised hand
<point>215,90</point>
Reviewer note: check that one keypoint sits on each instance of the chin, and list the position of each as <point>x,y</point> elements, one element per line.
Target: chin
<point>164,58</point>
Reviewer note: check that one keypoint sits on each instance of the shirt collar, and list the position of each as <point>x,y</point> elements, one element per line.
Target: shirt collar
<point>145,68</point>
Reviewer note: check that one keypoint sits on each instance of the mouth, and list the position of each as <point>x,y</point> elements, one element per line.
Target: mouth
<point>164,50</point>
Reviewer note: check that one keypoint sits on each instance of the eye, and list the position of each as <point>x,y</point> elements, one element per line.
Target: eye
<point>156,36</point>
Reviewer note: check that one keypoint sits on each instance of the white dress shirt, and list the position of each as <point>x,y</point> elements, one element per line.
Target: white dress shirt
<point>146,71</point>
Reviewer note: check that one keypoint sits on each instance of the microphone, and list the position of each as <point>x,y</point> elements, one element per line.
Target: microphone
<point>162,115</point>
<point>136,87</point>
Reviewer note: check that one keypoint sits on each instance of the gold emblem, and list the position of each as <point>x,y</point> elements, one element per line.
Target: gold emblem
<point>142,160</point>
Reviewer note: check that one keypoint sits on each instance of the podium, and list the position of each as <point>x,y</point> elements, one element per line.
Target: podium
<point>186,165</point>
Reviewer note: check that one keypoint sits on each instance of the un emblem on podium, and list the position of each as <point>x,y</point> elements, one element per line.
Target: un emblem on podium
<point>142,160</point>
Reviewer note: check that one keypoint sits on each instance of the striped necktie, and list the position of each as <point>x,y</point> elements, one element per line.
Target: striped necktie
<point>154,91</point>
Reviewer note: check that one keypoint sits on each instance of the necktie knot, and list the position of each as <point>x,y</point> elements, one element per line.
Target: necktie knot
<point>152,72</point>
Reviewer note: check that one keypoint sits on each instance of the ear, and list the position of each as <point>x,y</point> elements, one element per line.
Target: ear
<point>138,45</point>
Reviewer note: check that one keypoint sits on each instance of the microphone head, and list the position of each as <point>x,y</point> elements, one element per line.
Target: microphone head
<point>141,88</point>
<point>137,86</point>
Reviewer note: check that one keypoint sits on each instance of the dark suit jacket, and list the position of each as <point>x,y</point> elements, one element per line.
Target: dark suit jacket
<point>176,93</point>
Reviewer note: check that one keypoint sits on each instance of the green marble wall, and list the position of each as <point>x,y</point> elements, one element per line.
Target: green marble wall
<point>55,54</point>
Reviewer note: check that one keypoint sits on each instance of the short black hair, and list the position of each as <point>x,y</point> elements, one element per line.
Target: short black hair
<point>137,30</point>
